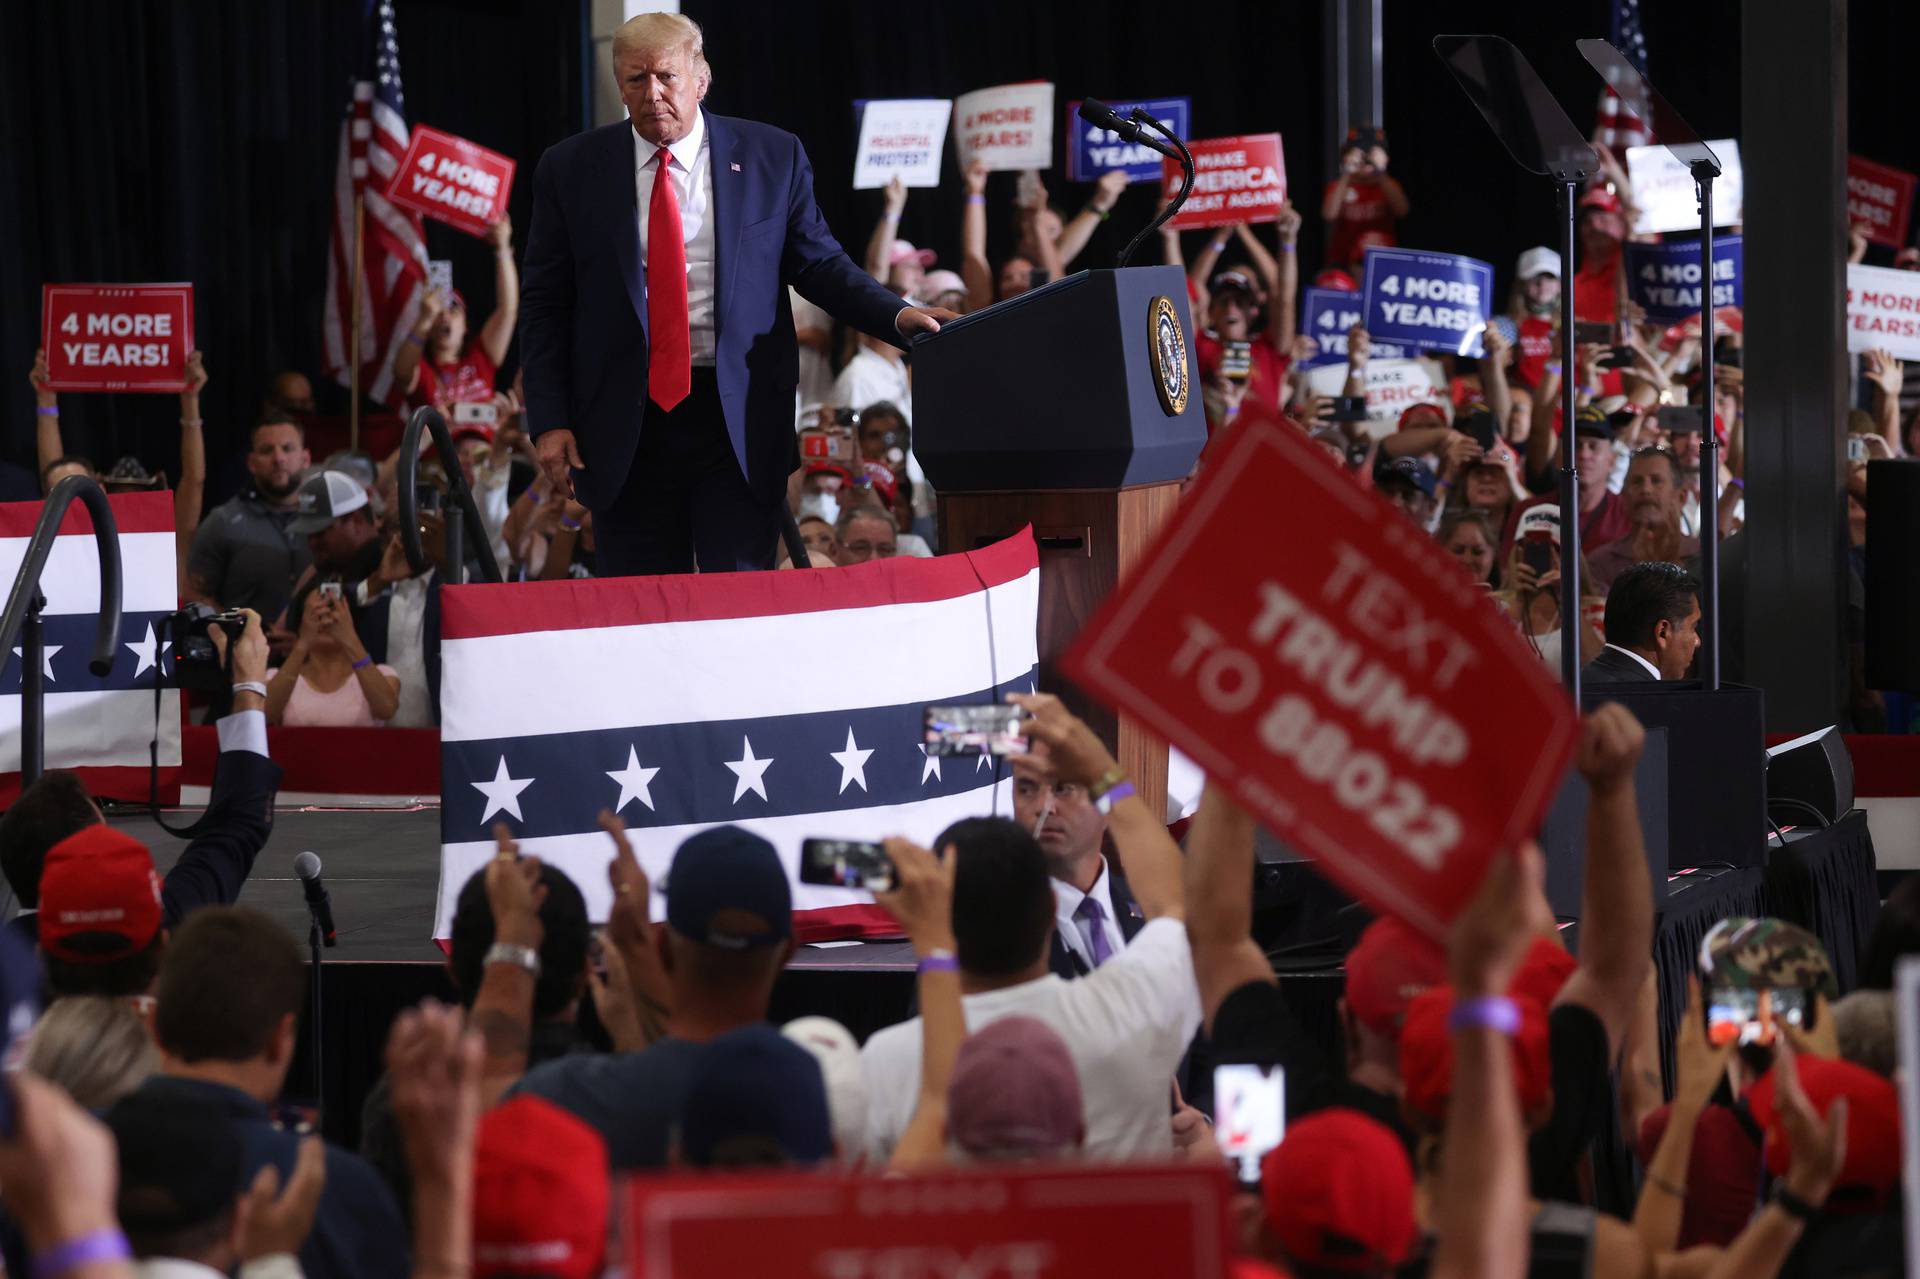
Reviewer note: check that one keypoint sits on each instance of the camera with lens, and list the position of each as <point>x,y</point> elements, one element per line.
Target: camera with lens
<point>197,663</point>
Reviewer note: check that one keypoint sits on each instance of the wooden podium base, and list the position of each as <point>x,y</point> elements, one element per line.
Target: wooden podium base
<point>1088,538</point>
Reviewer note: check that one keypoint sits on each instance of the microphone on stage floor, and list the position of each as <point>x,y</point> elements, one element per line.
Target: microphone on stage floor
<point>319,905</point>
<point>1101,116</point>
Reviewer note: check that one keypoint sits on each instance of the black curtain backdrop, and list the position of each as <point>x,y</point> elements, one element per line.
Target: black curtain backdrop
<point>151,140</point>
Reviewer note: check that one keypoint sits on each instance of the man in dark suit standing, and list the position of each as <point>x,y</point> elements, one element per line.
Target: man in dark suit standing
<point>656,334</point>
<point>1652,626</point>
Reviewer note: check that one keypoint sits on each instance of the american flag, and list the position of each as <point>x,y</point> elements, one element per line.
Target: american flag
<point>788,703</point>
<point>393,259</point>
<point>1615,126</point>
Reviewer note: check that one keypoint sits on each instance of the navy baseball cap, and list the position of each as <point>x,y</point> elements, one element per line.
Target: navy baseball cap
<point>1407,470</point>
<point>727,888</point>
<point>757,1100</point>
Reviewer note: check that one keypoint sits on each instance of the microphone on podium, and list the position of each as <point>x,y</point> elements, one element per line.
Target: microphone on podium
<point>1138,127</point>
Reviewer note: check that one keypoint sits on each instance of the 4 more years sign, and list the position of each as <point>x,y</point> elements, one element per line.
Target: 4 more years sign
<point>116,337</point>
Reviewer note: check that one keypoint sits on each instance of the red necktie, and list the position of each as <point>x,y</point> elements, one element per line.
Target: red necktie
<point>669,348</point>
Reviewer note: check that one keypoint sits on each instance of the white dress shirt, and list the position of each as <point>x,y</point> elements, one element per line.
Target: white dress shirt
<point>1077,933</point>
<point>692,170</point>
<point>1126,1024</point>
<point>1651,668</point>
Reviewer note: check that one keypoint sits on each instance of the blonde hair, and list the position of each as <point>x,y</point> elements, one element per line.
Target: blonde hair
<point>662,33</point>
<point>98,1049</point>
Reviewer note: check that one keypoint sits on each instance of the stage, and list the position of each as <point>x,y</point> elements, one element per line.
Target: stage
<point>382,867</point>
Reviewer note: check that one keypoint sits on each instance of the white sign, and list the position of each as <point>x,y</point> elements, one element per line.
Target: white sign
<point>1393,387</point>
<point>1883,310</point>
<point>1009,127</point>
<point>903,138</point>
<point>1664,192</point>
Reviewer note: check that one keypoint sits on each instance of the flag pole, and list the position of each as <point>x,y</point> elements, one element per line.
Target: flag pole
<point>353,341</point>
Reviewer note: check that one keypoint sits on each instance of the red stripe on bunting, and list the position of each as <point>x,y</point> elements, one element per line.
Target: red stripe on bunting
<point>132,513</point>
<point>470,612</point>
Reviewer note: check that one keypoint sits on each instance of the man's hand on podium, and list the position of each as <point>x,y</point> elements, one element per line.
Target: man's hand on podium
<point>914,319</point>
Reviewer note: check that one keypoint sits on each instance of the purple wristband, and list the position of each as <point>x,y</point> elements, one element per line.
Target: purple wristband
<point>363,663</point>
<point>1490,1012</point>
<point>976,199</point>
<point>937,963</point>
<point>570,524</point>
<point>1120,791</point>
<point>47,410</point>
<point>101,1245</point>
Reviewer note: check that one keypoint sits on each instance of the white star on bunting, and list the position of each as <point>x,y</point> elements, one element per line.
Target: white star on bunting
<point>46,659</point>
<point>635,782</point>
<point>150,652</point>
<point>503,793</point>
<point>751,773</point>
<point>853,762</point>
<point>931,768</point>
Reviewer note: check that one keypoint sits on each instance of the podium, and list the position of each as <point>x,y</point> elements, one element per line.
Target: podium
<point>1073,408</point>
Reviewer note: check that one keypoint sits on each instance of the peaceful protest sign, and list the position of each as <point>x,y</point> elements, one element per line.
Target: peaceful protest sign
<point>1326,316</point>
<point>1339,690</point>
<point>1665,278</point>
<point>1880,199</point>
<point>1664,192</point>
<point>1009,126</point>
<point>1883,310</point>
<point>450,179</point>
<point>1435,301</point>
<point>1093,151</point>
<point>116,337</point>
<point>1241,179</point>
<point>903,138</point>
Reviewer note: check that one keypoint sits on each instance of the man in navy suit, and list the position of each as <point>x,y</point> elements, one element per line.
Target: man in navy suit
<point>656,335</point>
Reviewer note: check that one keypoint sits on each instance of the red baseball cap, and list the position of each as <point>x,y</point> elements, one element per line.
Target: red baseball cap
<point>1426,1053</point>
<point>99,897</point>
<point>1334,278</point>
<point>1600,198</point>
<point>1387,967</point>
<point>540,1193</point>
<point>1545,969</point>
<point>1872,1165</point>
<point>1339,1193</point>
<point>1411,415</point>
<point>882,479</point>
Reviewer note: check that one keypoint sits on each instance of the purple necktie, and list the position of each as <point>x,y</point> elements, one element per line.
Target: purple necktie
<point>1089,910</point>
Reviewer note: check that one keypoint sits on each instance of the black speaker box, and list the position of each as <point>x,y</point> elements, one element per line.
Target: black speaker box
<point>1815,770</point>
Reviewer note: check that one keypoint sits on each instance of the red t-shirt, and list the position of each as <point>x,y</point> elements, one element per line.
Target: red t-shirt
<point>1596,290</point>
<point>1536,348</point>
<point>468,380</point>
<point>1266,384</point>
<point>1364,209</point>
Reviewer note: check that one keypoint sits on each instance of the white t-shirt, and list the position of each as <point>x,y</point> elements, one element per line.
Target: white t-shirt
<point>816,371</point>
<point>1127,1025</point>
<point>871,377</point>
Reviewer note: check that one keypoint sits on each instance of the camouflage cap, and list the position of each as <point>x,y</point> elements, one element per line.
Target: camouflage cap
<point>1765,954</point>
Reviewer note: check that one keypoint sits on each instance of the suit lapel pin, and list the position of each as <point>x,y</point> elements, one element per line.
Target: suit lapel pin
<point>734,167</point>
